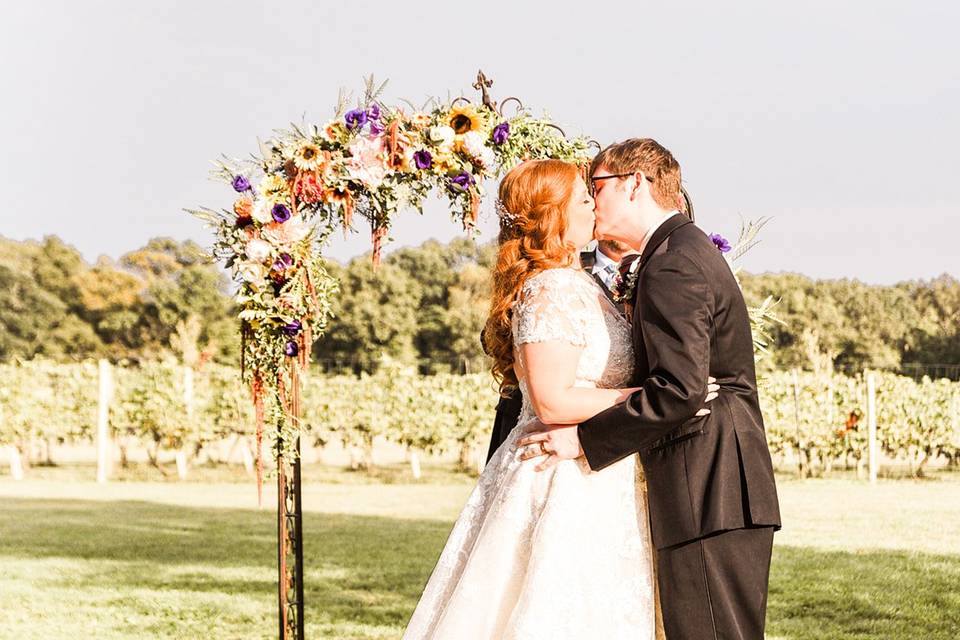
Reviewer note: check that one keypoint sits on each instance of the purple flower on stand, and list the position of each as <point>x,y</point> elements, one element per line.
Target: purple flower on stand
<point>240,184</point>
<point>355,119</point>
<point>280,212</point>
<point>373,111</point>
<point>464,180</point>
<point>375,128</point>
<point>292,328</point>
<point>423,159</point>
<point>291,349</point>
<point>720,241</point>
<point>283,262</point>
<point>501,132</point>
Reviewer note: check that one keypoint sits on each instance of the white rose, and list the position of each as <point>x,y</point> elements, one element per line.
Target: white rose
<point>474,144</point>
<point>252,272</point>
<point>442,135</point>
<point>487,158</point>
<point>257,250</point>
<point>366,162</point>
<point>263,211</point>
<point>408,164</point>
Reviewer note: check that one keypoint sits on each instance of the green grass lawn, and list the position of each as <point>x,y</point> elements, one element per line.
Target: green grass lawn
<point>197,560</point>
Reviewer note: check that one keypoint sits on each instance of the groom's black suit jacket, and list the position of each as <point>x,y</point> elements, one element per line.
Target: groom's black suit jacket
<point>704,474</point>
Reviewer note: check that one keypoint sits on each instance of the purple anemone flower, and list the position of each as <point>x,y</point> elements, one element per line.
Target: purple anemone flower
<point>291,349</point>
<point>464,180</point>
<point>375,128</point>
<point>292,328</point>
<point>423,159</point>
<point>355,119</point>
<point>720,241</point>
<point>373,111</point>
<point>240,184</point>
<point>280,212</point>
<point>501,132</point>
<point>283,262</point>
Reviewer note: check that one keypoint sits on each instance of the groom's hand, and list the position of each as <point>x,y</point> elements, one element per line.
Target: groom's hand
<point>555,443</point>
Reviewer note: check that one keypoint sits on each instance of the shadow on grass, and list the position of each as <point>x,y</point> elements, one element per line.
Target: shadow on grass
<point>876,594</point>
<point>366,570</point>
<point>360,569</point>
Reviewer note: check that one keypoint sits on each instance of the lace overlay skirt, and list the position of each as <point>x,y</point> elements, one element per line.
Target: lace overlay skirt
<point>564,553</point>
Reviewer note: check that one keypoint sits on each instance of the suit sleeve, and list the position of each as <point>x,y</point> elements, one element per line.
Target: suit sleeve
<point>508,414</point>
<point>675,308</point>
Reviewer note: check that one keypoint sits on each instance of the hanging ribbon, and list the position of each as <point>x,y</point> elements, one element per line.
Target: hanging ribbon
<point>471,219</point>
<point>377,234</point>
<point>394,153</point>
<point>256,389</point>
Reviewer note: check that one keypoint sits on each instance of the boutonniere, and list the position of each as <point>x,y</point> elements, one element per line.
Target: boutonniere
<point>720,242</point>
<point>625,282</point>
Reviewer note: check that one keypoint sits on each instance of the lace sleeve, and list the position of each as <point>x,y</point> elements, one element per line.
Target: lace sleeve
<point>552,307</point>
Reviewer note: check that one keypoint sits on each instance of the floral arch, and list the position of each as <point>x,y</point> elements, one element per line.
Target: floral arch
<point>369,162</point>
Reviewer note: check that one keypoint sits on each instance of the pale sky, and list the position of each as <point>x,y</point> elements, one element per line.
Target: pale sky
<point>840,120</point>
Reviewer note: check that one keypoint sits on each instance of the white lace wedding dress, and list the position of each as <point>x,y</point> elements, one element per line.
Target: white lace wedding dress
<point>563,553</point>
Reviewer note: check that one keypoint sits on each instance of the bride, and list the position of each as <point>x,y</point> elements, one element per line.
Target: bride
<point>565,553</point>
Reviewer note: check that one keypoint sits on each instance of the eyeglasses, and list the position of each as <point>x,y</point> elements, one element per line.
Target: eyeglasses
<point>595,179</point>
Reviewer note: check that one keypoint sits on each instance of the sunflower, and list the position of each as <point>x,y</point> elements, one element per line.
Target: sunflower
<point>274,188</point>
<point>464,118</point>
<point>308,157</point>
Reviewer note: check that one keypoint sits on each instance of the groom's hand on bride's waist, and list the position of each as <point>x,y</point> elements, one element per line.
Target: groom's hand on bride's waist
<point>550,444</point>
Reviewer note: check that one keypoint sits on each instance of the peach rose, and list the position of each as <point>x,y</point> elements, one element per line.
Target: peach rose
<point>283,234</point>
<point>243,207</point>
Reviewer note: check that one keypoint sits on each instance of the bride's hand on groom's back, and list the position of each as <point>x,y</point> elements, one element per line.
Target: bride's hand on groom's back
<point>556,443</point>
<point>552,443</point>
<point>713,390</point>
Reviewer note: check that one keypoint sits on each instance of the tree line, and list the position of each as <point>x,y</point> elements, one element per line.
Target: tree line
<point>423,306</point>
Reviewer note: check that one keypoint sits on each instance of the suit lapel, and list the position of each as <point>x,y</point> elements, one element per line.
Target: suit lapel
<point>663,232</point>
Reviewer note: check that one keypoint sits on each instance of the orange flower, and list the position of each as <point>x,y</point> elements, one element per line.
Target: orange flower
<point>243,207</point>
<point>309,188</point>
<point>335,196</point>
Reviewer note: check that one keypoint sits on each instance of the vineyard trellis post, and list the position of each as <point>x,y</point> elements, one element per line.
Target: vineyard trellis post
<point>796,419</point>
<point>16,463</point>
<point>955,422</point>
<point>188,402</point>
<point>103,420</point>
<point>872,448</point>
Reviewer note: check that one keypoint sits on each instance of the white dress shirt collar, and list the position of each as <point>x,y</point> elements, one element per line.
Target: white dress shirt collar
<point>601,261</point>
<point>653,229</point>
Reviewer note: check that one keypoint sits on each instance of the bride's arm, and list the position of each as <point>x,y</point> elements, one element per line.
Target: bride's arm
<point>550,369</point>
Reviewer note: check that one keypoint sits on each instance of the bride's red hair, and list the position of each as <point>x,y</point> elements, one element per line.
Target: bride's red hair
<point>534,196</point>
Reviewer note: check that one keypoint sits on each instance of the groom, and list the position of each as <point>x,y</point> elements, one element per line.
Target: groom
<point>713,502</point>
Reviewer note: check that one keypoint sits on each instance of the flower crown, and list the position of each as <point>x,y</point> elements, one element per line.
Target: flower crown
<point>507,217</point>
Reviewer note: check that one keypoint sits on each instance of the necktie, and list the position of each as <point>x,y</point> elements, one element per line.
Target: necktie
<point>607,275</point>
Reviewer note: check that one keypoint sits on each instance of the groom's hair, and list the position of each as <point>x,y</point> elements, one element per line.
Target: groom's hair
<point>654,160</point>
